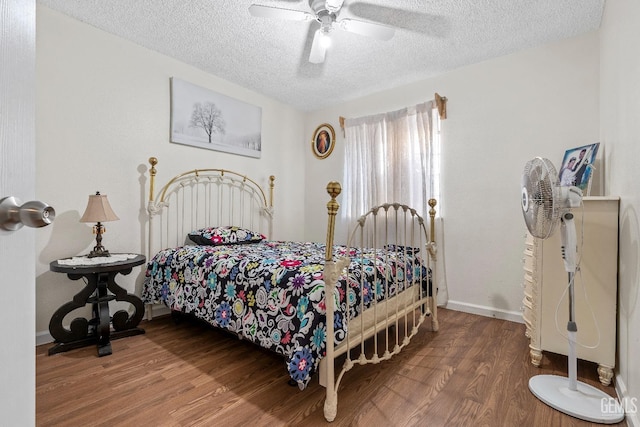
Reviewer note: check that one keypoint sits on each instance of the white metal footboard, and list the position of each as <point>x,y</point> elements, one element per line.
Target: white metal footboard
<point>386,325</point>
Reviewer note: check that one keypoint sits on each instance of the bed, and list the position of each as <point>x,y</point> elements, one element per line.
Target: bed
<point>211,256</point>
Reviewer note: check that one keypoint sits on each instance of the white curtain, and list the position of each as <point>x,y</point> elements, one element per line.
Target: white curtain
<point>388,158</point>
<point>391,157</point>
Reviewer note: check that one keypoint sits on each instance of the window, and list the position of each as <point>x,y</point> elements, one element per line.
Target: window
<point>392,157</point>
<point>395,157</point>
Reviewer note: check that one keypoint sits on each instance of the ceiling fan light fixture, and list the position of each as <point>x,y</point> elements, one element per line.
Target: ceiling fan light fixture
<point>325,39</point>
<point>325,12</point>
<point>318,50</point>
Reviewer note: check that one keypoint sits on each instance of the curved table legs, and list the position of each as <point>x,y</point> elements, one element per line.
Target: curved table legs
<point>100,289</point>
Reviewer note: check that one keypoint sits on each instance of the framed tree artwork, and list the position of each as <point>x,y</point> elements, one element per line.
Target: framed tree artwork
<point>203,118</point>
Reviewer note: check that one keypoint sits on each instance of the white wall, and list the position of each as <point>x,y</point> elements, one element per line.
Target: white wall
<point>103,108</point>
<point>502,113</point>
<point>620,113</point>
<point>17,178</point>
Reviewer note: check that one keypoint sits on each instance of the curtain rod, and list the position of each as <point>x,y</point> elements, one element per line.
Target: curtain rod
<point>441,104</point>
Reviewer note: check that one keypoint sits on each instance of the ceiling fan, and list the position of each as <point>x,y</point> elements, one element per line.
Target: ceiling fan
<point>325,12</point>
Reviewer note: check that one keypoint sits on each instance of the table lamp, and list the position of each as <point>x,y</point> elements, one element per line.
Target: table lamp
<point>98,210</point>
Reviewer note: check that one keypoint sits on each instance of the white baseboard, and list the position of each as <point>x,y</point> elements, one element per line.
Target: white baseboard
<point>43,338</point>
<point>157,310</point>
<point>632,403</point>
<point>513,316</point>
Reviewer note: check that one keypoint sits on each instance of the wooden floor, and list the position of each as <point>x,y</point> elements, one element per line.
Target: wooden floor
<point>473,372</point>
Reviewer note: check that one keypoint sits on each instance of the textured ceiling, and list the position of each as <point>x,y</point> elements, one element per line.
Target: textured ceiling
<point>270,56</point>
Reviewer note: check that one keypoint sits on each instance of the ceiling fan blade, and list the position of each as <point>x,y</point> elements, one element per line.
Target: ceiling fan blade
<point>412,20</point>
<point>279,13</point>
<point>370,29</point>
<point>318,49</point>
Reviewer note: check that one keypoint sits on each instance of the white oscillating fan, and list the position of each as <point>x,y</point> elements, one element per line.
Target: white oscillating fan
<point>545,204</point>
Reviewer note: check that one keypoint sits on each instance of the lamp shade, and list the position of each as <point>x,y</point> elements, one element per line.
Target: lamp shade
<point>98,209</point>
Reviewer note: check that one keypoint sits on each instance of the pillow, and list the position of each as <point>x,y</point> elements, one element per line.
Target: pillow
<point>228,235</point>
<point>189,242</point>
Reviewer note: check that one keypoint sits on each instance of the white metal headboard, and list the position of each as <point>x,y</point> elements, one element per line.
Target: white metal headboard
<point>201,198</point>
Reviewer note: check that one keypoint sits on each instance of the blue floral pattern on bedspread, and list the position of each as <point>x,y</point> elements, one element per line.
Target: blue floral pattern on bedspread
<point>272,293</point>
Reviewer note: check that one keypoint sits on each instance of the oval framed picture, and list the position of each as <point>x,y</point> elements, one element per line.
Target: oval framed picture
<point>323,141</point>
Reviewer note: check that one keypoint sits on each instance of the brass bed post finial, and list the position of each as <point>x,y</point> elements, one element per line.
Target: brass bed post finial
<point>334,189</point>
<point>271,185</point>
<point>153,162</point>
<point>433,249</point>
<point>432,219</point>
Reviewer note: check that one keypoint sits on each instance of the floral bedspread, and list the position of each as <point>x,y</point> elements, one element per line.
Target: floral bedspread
<point>272,292</point>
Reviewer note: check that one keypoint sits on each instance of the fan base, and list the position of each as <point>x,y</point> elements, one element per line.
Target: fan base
<point>586,402</point>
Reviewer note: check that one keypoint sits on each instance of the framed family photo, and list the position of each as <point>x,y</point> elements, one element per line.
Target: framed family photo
<point>577,167</point>
<point>203,118</point>
<point>323,141</point>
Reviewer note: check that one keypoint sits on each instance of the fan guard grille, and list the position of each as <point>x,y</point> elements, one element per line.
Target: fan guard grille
<point>540,195</point>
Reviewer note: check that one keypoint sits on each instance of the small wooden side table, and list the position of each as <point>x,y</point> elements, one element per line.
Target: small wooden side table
<point>100,289</point>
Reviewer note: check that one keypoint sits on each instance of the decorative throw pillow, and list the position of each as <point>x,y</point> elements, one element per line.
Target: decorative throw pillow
<point>227,235</point>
